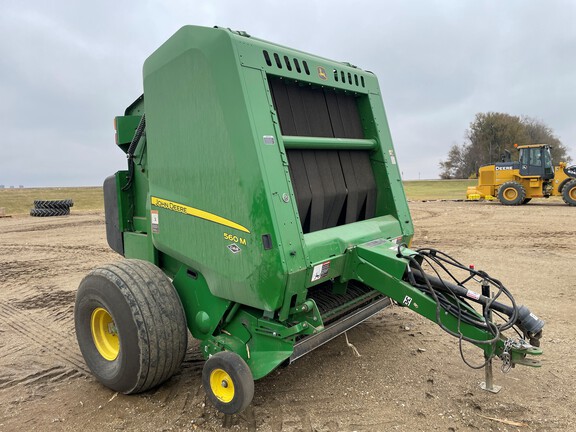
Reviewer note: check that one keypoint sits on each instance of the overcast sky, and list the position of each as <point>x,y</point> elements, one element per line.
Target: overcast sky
<point>68,67</point>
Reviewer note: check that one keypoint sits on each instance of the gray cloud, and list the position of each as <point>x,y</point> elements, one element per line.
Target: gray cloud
<point>67,68</point>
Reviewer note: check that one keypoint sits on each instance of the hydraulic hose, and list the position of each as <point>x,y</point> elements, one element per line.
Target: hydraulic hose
<point>462,292</point>
<point>131,149</point>
<point>453,296</point>
<point>526,321</point>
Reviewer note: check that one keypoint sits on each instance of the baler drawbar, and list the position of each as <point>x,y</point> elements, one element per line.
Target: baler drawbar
<point>263,211</point>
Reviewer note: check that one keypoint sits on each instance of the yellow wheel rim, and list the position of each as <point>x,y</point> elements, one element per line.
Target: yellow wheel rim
<point>221,385</point>
<point>510,194</point>
<point>104,334</point>
<point>572,193</point>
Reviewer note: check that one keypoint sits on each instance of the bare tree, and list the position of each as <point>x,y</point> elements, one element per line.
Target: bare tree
<point>490,135</point>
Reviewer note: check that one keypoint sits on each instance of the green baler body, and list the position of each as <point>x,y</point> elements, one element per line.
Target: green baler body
<point>217,194</point>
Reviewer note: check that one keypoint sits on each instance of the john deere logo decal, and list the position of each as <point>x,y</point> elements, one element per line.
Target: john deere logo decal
<point>234,248</point>
<point>322,73</point>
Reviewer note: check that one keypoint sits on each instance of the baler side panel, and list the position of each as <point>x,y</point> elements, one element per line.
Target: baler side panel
<point>202,157</point>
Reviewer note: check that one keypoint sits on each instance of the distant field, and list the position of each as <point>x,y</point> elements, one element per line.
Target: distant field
<point>20,201</point>
<point>417,190</point>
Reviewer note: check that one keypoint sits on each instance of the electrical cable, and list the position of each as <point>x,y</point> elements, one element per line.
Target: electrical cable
<point>439,257</point>
<point>448,300</point>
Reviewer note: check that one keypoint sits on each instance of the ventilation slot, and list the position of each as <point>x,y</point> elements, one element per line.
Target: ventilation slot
<point>297,66</point>
<point>288,64</point>
<point>267,58</point>
<point>340,76</point>
<point>278,62</point>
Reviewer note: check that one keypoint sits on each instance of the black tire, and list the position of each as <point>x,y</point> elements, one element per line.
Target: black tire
<point>569,193</point>
<point>46,212</point>
<point>228,382</point>
<point>511,193</point>
<point>130,325</point>
<point>564,183</point>
<point>53,204</point>
<point>526,200</point>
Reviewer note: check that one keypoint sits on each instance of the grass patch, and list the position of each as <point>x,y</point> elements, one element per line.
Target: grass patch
<point>417,190</point>
<point>20,201</point>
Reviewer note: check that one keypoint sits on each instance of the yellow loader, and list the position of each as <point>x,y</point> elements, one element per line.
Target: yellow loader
<point>532,176</point>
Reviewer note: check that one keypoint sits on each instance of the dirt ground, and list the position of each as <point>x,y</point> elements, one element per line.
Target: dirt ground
<point>409,377</point>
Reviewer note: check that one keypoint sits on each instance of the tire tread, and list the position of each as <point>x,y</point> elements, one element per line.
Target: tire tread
<point>565,193</point>
<point>519,188</point>
<point>53,204</point>
<point>49,212</point>
<point>158,315</point>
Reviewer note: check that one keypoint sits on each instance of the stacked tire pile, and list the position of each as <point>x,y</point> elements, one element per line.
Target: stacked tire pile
<point>45,208</point>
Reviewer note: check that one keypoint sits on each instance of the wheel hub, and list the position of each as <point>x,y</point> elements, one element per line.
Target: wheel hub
<point>510,194</point>
<point>222,385</point>
<point>104,334</point>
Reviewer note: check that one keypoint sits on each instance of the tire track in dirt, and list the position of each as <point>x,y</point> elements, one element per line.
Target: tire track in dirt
<point>52,375</point>
<point>33,227</point>
<point>10,351</point>
<point>51,300</point>
<point>59,303</point>
<point>23,271</point>
<point>56,248</point>
<point>43,336</point>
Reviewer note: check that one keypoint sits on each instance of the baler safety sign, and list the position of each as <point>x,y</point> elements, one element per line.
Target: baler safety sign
<point>320,271</point>
<point>154,221</point>
<point>191,211</point>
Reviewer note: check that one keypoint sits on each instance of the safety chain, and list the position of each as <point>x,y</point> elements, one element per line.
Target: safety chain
<point>506,357</point>
<point>519,344</point>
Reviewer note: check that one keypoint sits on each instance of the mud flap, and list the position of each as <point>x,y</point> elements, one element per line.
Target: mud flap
<point>113,233</point>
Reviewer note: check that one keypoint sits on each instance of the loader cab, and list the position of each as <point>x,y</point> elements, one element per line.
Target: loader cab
<point>535,160</point>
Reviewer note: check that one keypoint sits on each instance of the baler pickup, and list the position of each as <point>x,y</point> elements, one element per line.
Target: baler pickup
<point>263,210</point>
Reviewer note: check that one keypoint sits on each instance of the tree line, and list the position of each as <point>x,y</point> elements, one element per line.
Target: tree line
<point>487,138</point>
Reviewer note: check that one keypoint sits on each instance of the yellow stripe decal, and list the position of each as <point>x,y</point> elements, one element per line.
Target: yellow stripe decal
<point>181,208</point>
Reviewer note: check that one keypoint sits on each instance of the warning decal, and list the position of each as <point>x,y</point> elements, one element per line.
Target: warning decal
<point>472,295</point>
<point>320,271</point>
<point>154,219</point>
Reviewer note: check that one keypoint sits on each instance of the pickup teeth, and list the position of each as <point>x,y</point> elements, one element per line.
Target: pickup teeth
<point>332,306</point>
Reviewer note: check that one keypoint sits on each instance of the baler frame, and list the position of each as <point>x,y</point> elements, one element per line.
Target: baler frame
<point>263,182</point>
